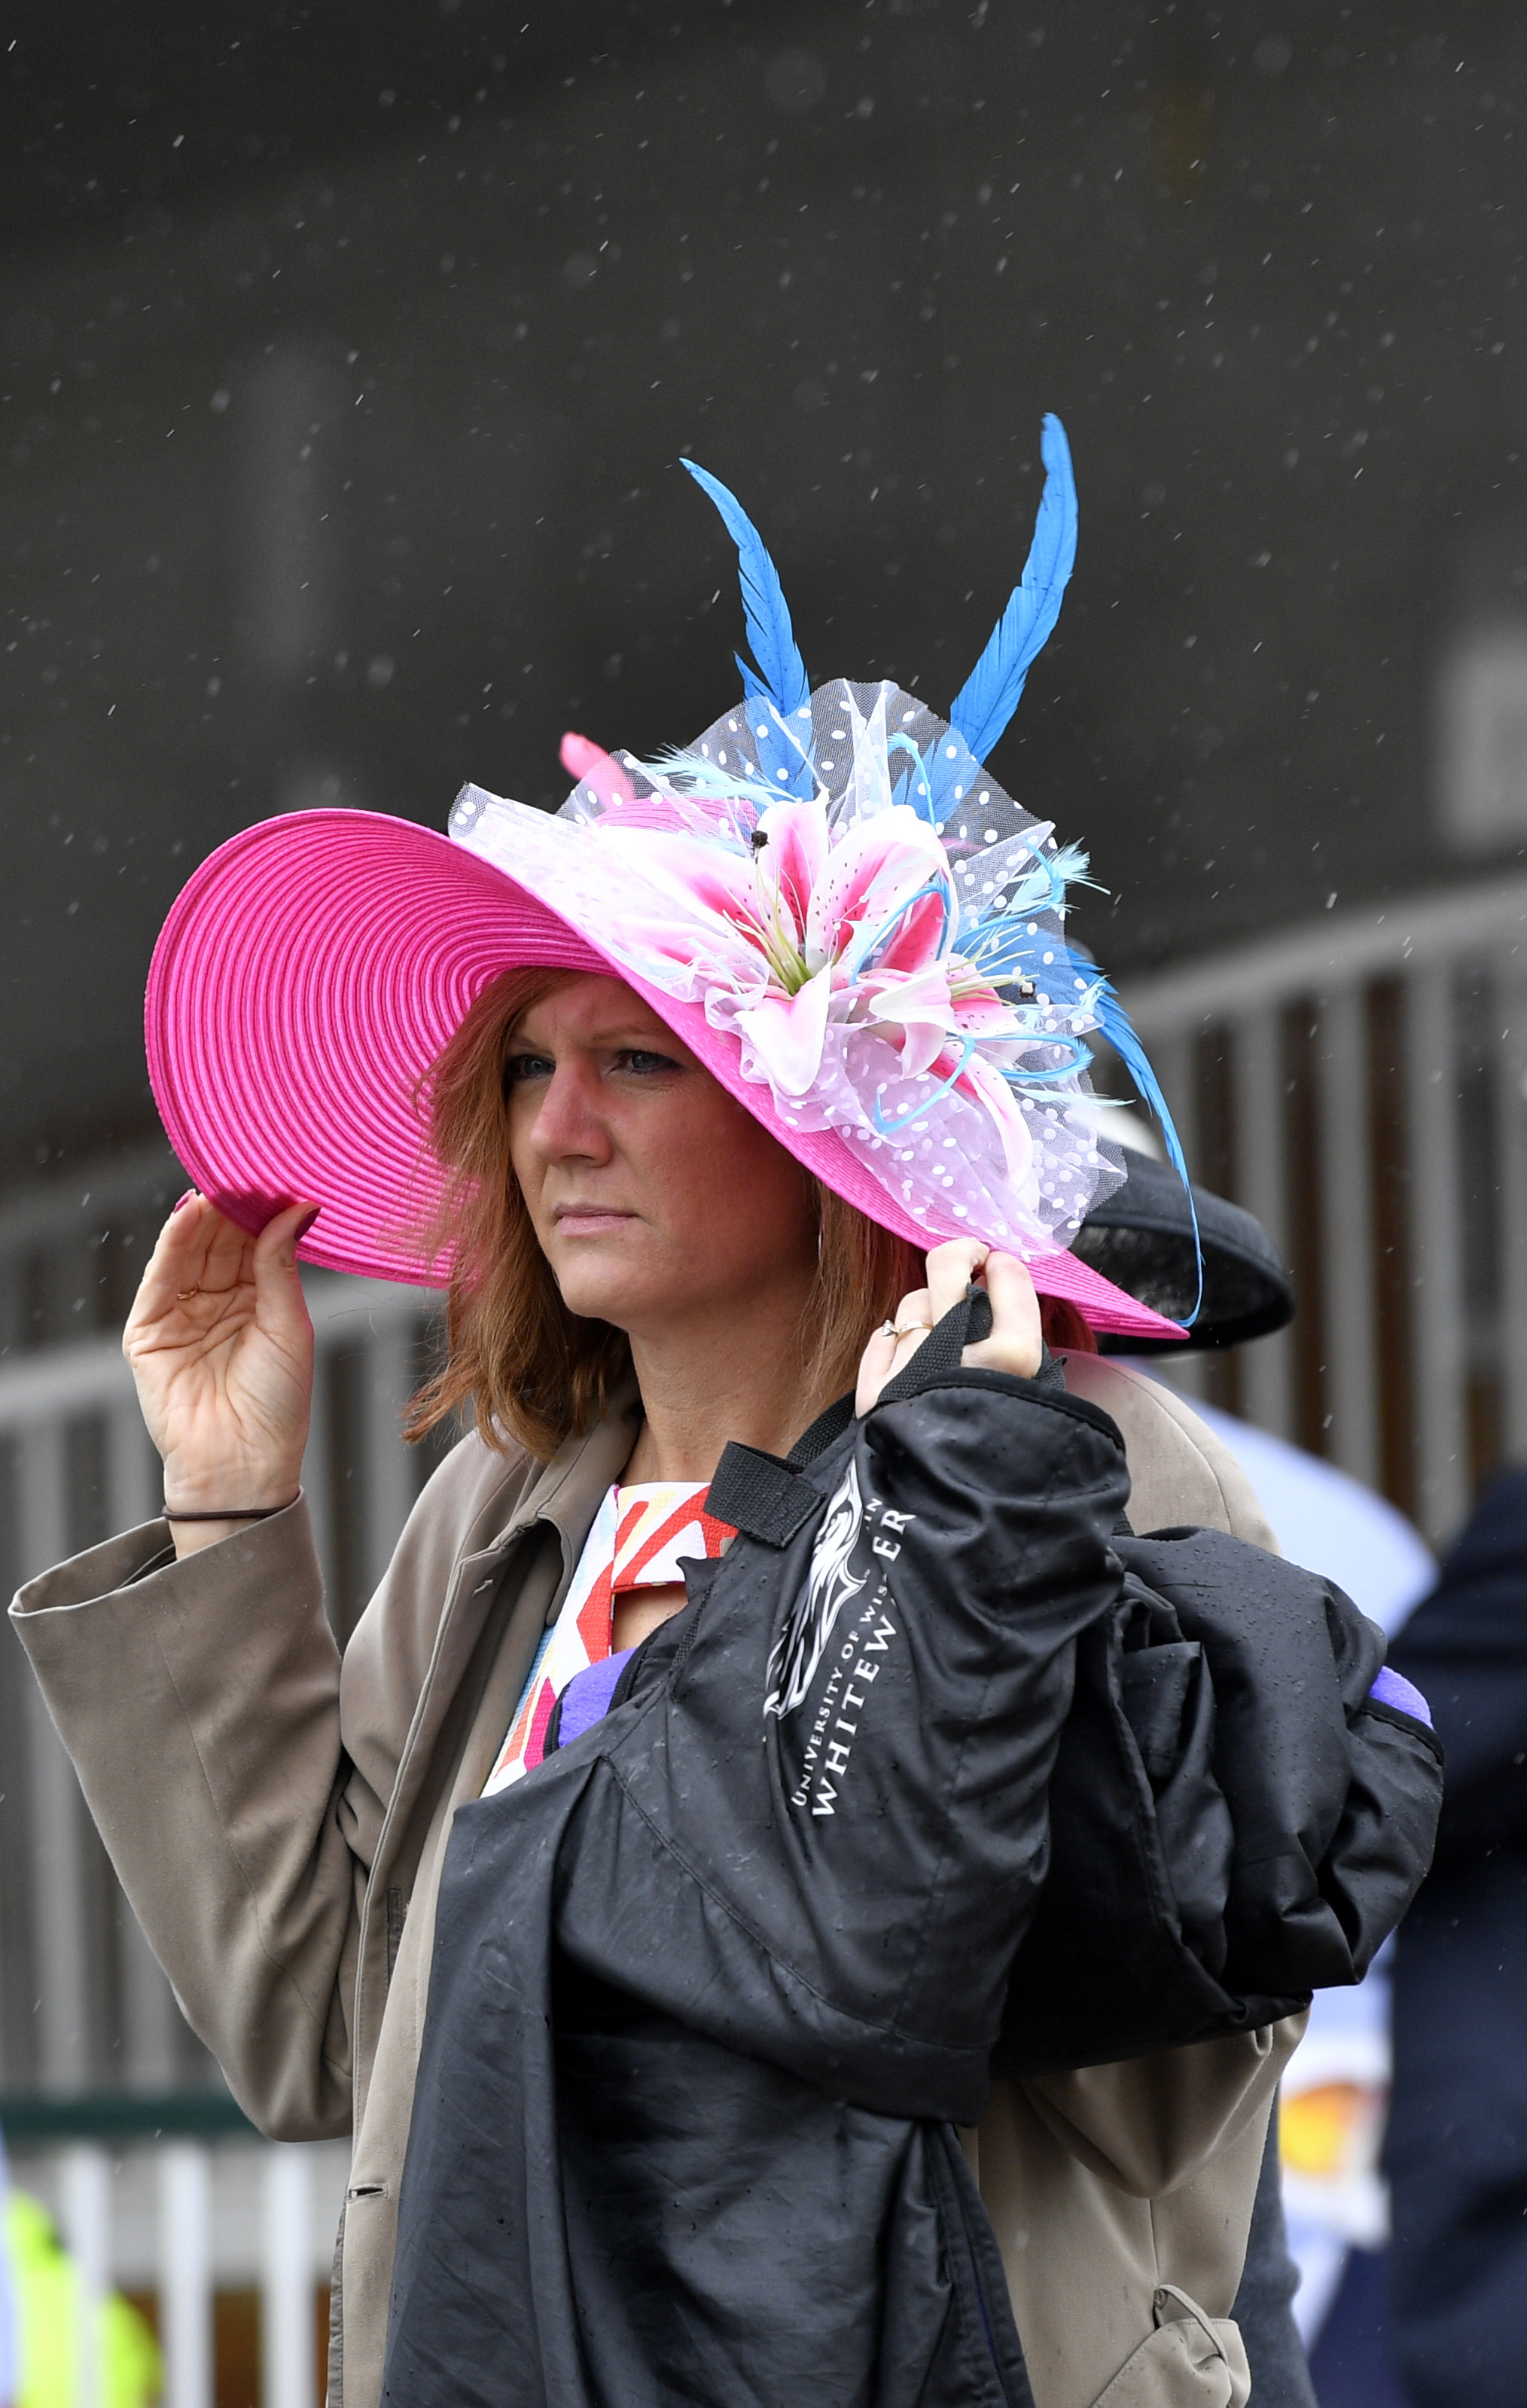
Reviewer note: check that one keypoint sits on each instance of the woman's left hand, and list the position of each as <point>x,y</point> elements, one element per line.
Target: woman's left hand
<point>1016,1343</point>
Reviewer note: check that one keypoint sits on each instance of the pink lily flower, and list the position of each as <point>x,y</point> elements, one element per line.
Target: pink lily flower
<point>918,1003</point>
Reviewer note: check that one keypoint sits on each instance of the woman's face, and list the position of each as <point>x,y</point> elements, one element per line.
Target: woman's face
<point>656,1198</point>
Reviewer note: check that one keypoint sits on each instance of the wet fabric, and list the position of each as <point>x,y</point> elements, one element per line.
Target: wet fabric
<point>1241,1811</point>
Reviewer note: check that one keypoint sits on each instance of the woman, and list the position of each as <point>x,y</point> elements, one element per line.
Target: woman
<point>664,1211</point>
<point>708,1065</point>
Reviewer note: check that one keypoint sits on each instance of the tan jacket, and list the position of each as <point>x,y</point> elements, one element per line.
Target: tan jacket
<point>277,1817</point>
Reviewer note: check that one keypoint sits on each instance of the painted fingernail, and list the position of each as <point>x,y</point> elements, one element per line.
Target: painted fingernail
<point>307,1221</point>
<point>189,1198</point>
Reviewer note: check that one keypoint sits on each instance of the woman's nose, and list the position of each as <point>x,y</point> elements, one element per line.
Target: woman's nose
<point>569,1123</point>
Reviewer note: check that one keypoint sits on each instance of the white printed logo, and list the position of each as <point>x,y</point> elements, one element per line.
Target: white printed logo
<point>803,1639</point>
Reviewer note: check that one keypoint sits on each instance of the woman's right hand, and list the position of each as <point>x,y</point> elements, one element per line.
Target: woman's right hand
<point>1016,1343</point>
<point>221,1348</point>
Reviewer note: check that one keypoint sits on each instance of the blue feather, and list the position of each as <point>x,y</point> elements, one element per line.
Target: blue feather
<point>988,697</point>
<point>781,672</point>
<point>1114,1022</point>
<point>944,774</point>
<point>1001,947</point>
<point>784,748</point>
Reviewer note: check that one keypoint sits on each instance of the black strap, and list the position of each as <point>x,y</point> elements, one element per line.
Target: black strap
<point>764,1496</point>
<point>824,1431</point>
<point>761,1496</point>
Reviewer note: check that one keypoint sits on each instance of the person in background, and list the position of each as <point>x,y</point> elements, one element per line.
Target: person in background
<point>1332,2200</point>
<point>43,2283</point>
<point>1456,2152</point>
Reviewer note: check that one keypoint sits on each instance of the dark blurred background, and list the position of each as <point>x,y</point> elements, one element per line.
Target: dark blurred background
<point>349,355</point>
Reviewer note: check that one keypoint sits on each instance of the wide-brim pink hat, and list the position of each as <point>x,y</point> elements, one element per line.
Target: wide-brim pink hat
<point>827,898</point>
<point>310,972</point>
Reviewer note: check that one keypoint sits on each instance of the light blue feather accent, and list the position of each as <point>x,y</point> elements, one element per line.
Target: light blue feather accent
<point>940,773</point>
<point>1071,865</point>
<point>998,949</point>
<point>690,778</point>
<point>862,955</point>
<point>1077,1057</point>
<point>1043,889</point>
<point>687,772</point>
<point>904,1120</point>
<point>988,697</point>
<point>1114,1022</point>
<point>699,774</point>
<point>779,676</point>
<point>918,793</point>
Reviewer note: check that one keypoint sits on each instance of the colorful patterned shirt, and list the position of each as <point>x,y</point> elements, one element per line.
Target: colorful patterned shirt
<point>638,1537</point>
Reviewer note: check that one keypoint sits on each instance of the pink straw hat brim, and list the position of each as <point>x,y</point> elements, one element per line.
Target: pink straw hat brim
<point>309,973</point>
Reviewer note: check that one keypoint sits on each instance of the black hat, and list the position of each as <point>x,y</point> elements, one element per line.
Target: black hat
<point>1142,1238</point>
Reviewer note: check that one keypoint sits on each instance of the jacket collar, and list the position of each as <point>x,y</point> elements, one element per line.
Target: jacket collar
<point>567,1491</point>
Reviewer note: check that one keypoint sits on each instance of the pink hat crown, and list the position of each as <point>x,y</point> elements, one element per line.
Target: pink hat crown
<point>885,951</point>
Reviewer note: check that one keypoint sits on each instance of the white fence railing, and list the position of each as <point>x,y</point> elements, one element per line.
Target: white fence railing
<point>1361,1085</point>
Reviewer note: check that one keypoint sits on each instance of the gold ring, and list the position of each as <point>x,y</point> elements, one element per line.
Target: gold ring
<point>913,1329</point>
<point>181,1293</point>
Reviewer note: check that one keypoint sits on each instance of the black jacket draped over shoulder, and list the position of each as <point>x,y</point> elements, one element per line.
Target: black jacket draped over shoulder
<point>713,1984</point>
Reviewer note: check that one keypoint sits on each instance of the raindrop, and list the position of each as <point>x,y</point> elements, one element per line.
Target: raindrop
<point>795,81</point>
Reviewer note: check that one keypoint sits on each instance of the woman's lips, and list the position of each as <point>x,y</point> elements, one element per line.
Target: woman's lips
<point>589,1220</point>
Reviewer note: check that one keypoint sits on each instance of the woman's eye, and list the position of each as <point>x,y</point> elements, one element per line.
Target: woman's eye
<point>636,1058</point>
<point>521,1066</point>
